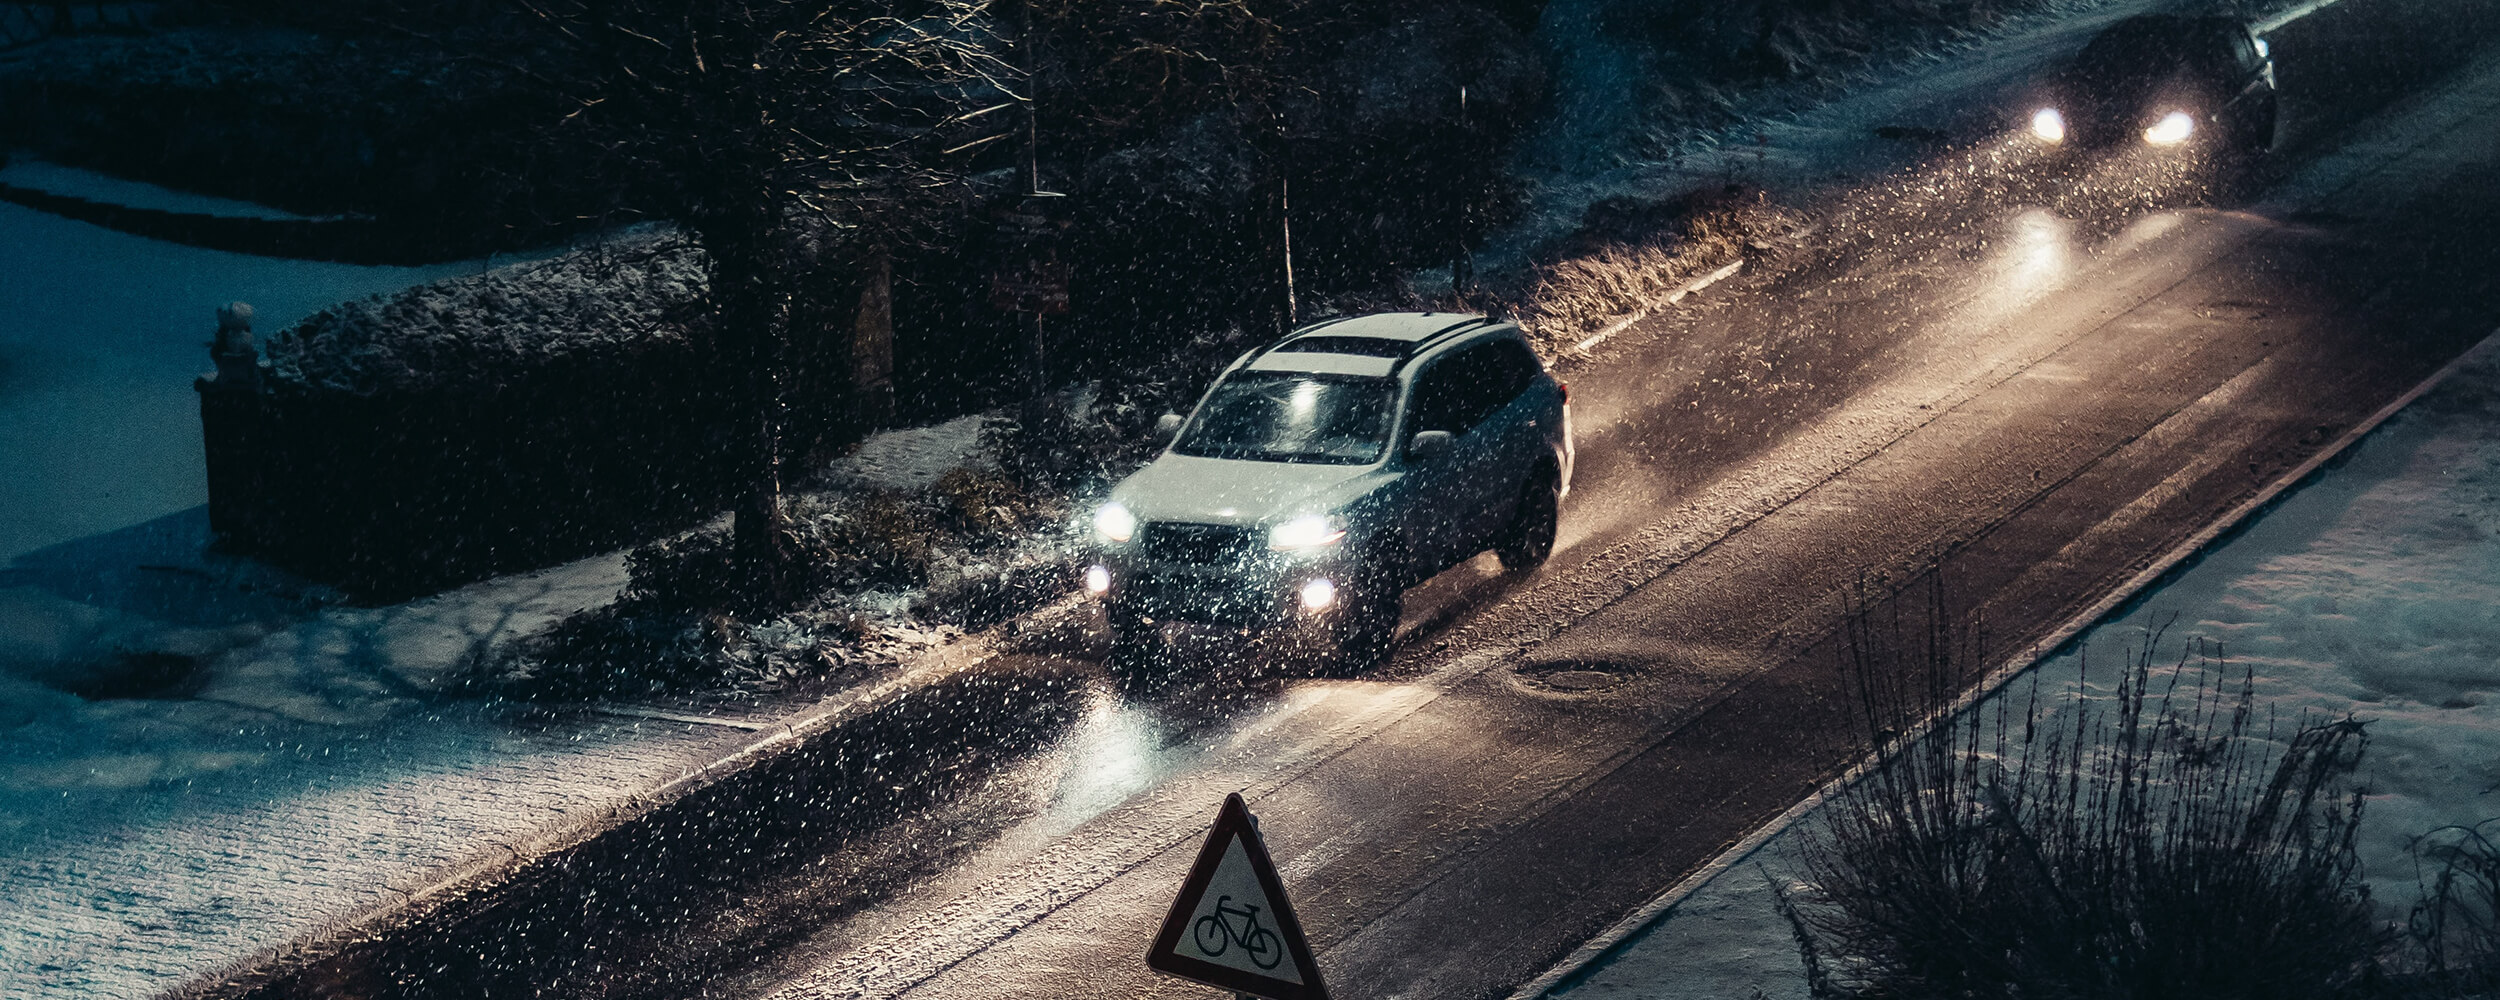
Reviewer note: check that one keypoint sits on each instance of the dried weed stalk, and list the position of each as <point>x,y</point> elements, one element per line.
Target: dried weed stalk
<point>2161,843</point>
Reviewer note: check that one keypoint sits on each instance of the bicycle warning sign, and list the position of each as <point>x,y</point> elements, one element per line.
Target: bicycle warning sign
<point>1231,927</point>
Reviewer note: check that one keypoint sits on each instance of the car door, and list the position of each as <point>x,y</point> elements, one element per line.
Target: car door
<point>1514,424</point>
<point>1458,497</point>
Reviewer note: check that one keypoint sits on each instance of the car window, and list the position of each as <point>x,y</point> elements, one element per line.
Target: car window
<point>1516,368</point>
<point>2243,50</point>
<point>1293,417</point>
<point>1369,347</point>
<point>2133,53</point>
<point>1463,388</point>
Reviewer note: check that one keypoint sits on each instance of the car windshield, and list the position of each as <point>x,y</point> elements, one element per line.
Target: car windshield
<point>2135,54</point>
<point>1293,417</point>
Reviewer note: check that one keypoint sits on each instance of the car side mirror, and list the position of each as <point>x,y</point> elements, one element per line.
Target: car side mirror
<point>1167,427</point>
<point>1429,446</point>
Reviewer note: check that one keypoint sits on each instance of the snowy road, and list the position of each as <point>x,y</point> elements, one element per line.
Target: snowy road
<point>2039,383</point>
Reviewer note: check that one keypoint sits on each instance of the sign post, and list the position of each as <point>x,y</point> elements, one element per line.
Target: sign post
<point>1231,927</point>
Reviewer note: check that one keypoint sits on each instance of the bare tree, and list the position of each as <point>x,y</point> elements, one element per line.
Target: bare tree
<point>787,138</point>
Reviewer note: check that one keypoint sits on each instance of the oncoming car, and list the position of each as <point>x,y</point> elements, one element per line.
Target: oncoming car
<point>1323,474</point>
<point>2165,81</point>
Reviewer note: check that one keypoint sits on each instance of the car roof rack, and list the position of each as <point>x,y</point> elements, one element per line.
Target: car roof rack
<point>1413,349</point>
<point>1436,338</point>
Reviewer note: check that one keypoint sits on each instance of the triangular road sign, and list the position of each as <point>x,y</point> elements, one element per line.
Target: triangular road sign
<point>1231,927</point>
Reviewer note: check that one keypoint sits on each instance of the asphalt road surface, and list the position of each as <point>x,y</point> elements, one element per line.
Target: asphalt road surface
<point>1987,390</point>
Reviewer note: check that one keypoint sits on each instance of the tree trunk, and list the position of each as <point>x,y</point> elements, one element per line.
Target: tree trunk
<point>872,348</point>
<point>751,294</point>
<point>1273,218</point>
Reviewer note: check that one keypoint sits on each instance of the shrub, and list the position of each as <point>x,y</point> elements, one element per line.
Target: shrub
<point>874,538</point>
<point>2455,928</point>
<point>983,504</point>
<point>2162,845</point>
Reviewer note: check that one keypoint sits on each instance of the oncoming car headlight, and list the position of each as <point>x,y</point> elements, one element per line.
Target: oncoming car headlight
<point>1113,523</point>
<point>2048,126</point>
<point>2173,129</point>
<point>1305,533</point>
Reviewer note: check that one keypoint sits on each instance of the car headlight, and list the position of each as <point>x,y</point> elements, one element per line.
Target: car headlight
<point>2173,129</point>
<point>1305,533</point>
<point>2048,126</point>
<point>1113,523</point>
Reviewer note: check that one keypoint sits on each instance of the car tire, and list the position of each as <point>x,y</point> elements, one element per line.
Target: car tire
<point>1364,637</point>
<point>2256,136</point>
<point>1136,646</point>
<point>1529,539</point>
<point>1366,628</point>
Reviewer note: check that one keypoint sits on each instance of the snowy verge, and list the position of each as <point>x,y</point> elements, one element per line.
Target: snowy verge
<point>358,737</point>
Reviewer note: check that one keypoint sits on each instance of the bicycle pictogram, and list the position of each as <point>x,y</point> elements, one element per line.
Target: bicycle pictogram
<point>1215,934</point>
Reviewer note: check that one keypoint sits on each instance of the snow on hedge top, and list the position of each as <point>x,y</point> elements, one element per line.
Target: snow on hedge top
<point>607,298</point>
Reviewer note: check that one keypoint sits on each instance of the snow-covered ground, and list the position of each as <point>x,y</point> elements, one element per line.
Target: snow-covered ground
<point>2374,592</point>
<point>128,847</point>
<point>314,761</point>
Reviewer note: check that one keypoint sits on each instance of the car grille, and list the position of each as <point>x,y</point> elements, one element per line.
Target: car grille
<point>1192,597</point>
<point>1199,544</point>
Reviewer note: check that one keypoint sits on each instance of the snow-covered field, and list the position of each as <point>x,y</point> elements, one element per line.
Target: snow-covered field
<point>2374,592</point>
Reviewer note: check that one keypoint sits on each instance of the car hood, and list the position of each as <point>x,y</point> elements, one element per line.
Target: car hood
<point>1229,491</point>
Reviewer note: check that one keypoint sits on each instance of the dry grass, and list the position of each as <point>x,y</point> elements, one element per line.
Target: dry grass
<point>2455,928</point>
<point>1630,255</point>
<point>2165,843</point>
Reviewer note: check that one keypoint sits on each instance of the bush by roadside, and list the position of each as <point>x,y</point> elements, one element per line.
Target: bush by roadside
<point>2169,843</point>
<point>889,571</point>
<point>2455,929</point>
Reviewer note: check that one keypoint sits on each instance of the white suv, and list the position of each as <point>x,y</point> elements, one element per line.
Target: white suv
<point>1325,473</point>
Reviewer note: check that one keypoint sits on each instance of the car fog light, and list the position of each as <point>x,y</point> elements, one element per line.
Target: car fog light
<point>1097,580</point>
<point>2173,129</point>
<point>2048,126</point>
<point>1318,594</point>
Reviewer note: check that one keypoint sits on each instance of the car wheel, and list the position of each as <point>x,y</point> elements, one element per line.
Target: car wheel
<point>2257,135</point>
<point>1530,537</point>
<point>1368,631</point>
<point>1367,626</point>
<point>1136,645</point>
